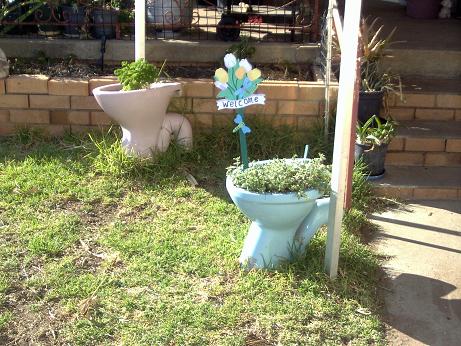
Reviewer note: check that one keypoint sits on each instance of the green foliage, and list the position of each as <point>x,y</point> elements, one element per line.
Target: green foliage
<point>243,49</point>
<point>373,78</point>
<point>283,175</point>
<point>111,158</point>
<point>56,237</point>
<point>138,74</point>
<point>153,261</point>
<point>377,135</point>
<point>362,193</point>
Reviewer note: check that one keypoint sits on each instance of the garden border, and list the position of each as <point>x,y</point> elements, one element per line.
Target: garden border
<point>58,105</point>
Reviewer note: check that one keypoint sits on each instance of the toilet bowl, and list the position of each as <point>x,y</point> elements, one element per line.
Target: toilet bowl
<point>146,126</point>
<point>282,223</point>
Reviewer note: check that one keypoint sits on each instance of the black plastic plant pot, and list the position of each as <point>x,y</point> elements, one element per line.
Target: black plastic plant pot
<point>104,22</point>
<point>369,104</point>
<point>228,28</point>
<point>373,157</point>
<point>74,18</point>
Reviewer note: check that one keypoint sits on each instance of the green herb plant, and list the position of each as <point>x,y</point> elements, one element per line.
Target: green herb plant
<point>378,135</point>
<point>138,74</point>
<point>283,176</point>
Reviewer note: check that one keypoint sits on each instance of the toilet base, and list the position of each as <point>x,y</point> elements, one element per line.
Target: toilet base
<point>144,143</point>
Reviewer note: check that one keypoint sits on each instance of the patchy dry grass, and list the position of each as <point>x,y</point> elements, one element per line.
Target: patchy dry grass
<point>99,248</point>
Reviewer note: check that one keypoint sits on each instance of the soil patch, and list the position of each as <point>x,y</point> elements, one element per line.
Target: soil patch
<point>89,69</point>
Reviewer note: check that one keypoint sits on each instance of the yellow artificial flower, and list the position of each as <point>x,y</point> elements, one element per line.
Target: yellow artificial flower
<point>240,72</point>
<point>254,74</point>
<point>221,75</point>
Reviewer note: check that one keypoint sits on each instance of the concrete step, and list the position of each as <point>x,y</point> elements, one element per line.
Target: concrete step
<point>426,143</point>
<point>410,183</point>
<point>427,99</point>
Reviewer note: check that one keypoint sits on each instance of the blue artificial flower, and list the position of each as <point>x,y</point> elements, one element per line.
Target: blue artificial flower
<point>244,88</point>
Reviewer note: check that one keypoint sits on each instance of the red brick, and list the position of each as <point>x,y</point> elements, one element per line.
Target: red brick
<point>454,145</point>
<point>270,108</point>
<point>84,102</point>
<point>14,101</point>
<point>101,81</point>
<point>49,101</point>
<point>4,116</point>
<point>298,108</point>
<point>434,114</point>
<point>416,100</point>
<point>203,120</point>
<point>206,106</point>
<point>30,116</point>
<point>79,117</point>
<point>279,91</point>
<point>394,192</point>
<point>405,159</point>
<point>449,101</point>
<point>7,129</point>
<point>443,159</point>
<point>198,88</point>
<point>100,118</point>
<point>397,144</point>
<point>68,86</point>
<point>424,144</point>
<point>59,117</point>
<point>27,84</point>
<point>402,113</point>
<point>314,92</point>
<point>307,122</point>
<point>288,121</point>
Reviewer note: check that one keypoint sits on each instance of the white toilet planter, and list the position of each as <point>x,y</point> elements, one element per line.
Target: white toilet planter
<point>142,115</point>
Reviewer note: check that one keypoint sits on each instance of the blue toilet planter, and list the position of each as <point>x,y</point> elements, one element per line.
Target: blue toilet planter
<point>282,223</point>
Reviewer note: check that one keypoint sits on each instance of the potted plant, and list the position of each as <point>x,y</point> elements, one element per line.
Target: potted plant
<point>139,103</point>
<point>283,197</point>
<point>169,16</point>
<point>75,16</point>
<point>375,83</point>
<point>373,138</point>
<point>105,18</point>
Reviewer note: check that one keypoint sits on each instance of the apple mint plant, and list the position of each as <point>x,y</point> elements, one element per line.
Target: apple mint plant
<point>238,82</point>
<point>138,74</point>
<point>283,176</point>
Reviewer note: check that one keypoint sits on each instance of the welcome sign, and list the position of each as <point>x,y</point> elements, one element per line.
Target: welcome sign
<point>237,88</point>
<point>255,99</point>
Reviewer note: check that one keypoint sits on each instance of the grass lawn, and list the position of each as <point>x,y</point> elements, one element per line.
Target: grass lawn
<point>100,248</point>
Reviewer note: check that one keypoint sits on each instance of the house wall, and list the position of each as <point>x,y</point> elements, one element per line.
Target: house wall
<point>58,105</point>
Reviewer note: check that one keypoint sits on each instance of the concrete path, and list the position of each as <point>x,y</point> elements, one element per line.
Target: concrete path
<point>422,288</point>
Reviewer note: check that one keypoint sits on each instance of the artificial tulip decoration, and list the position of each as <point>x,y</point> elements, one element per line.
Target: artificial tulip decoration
<point>237,86</point>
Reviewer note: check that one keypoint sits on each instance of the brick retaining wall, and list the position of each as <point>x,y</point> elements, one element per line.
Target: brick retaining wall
<point>62,104</point>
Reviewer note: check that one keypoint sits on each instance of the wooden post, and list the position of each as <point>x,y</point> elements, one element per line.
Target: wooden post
<point>342,142</point>
<point>355,109</point>
<point>140,29</point>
